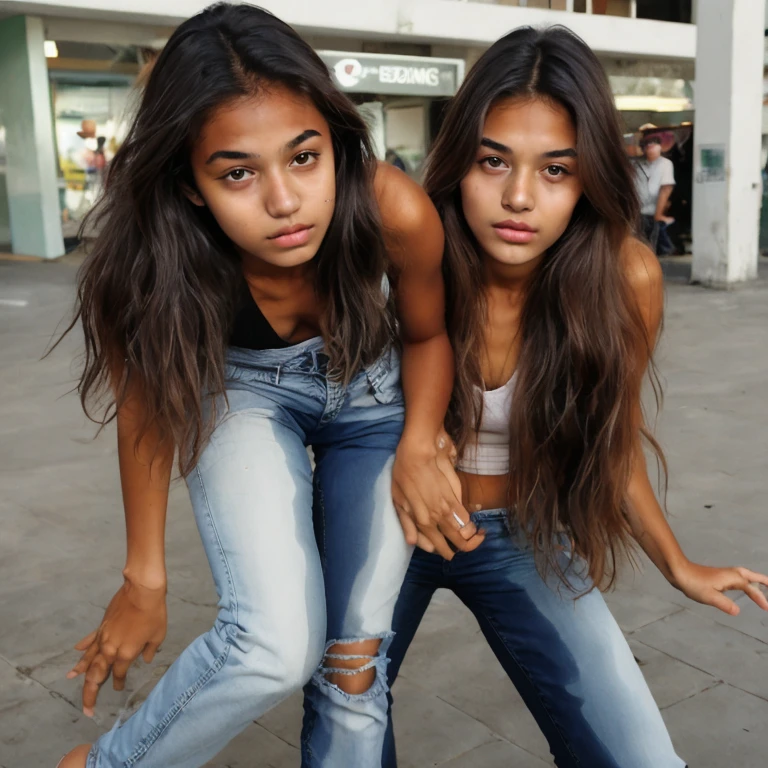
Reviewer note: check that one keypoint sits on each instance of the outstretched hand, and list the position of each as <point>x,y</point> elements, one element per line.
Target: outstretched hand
<point>706,585</point>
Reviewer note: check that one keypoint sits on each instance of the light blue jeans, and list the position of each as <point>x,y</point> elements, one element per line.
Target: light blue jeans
<point>302,560</point>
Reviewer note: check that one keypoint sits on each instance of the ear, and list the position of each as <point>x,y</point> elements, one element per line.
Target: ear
<point>193,195</point>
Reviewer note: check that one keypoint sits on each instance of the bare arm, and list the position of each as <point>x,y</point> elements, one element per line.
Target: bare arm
<point>135,620</point>
<point>661,204</point>
<point>649,524</point>
<point>145,474</point>
<point>414,239</point>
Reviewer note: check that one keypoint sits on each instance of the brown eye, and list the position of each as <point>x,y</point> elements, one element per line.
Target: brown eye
<point>556,170</point>
<point>494,162</point>
<point>238,174</point>
<point>303,159</point>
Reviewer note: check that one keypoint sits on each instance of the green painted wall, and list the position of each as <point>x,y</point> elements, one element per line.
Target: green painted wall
<point>26,114</point>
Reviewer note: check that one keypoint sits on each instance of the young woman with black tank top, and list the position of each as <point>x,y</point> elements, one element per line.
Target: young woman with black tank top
<point>243,298</point>
<point>553,312</point>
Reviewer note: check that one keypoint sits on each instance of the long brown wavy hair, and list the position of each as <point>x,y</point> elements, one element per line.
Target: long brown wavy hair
<point>160,284</point>
<point>574,419</point>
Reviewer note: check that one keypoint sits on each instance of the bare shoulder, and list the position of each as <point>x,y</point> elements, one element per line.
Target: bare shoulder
<point>403,203</point>
<point>646,280</point>
<point>412,226</point>
<point>642,267</point>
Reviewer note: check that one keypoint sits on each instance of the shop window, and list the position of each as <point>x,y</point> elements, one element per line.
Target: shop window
<point>90,123</point>
<point>618,8</point>
<point>406,135</point>
<point>91,90</point>
<point>665,10</point>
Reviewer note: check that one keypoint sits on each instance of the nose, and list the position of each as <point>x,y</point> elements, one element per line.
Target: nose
<point>280,197</point>
<point>518,193</point>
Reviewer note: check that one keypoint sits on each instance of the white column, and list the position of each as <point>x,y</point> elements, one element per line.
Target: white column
<point>729,98</point>
<point>25,111</point>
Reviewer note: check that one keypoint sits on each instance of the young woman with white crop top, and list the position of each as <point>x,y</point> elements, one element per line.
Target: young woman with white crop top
<point>554,310</point>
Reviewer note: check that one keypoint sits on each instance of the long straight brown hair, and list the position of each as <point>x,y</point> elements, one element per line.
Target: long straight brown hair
<point>160,284</point>
<point>584,344</point>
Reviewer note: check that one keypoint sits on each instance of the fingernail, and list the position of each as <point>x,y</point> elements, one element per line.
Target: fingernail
<point>71,674</point>
<point>87,712</point>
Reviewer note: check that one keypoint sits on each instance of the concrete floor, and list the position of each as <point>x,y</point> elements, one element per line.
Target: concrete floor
<point>62,546</point>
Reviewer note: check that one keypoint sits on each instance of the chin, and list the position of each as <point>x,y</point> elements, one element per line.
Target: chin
<point>294,257</point>
<point>514,255</point>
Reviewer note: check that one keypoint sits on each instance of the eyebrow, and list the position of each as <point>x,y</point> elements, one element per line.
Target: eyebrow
<point>561,153</point>
<point>228,154</point>
<point>491,144</point>
<point>301,138</point>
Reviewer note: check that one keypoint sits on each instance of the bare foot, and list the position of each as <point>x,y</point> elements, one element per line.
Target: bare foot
<point>76,758</point>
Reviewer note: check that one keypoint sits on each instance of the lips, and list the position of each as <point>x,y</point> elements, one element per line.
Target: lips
<point>290,237</point>
<point>288,231</point>
<point>515,231</point>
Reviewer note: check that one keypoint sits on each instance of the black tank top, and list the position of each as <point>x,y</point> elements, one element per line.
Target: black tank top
<point>251,330</point>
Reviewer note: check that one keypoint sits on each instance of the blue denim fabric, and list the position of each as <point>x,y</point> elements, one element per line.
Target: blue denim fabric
<point>567,657</point>
<point>301,559</point>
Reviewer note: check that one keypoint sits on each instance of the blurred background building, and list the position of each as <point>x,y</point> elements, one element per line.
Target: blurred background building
<point>68,71</point>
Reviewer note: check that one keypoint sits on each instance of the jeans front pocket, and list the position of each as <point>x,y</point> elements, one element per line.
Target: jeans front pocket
<point>384,378</point>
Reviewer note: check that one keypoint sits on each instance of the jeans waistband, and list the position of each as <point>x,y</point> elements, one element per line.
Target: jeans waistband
<point>246,357</point>
<point>307,356</point>
<point>489,514</point>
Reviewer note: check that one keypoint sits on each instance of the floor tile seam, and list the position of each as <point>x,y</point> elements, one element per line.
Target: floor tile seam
<point>678,609</point>
<point>36,683</point>
<point>276,735</point>
<point>717,683</point>
<point>470,751</point>
<point>705,671</point>
<point>715,620</point>
<point>720,685</point>
<point>498,736</point>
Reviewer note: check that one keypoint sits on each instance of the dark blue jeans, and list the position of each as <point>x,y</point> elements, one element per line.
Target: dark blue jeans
<point>657,235</point>
<point>567,657</point>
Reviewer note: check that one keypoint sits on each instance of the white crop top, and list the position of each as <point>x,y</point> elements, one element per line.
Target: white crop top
<point>488,453</point>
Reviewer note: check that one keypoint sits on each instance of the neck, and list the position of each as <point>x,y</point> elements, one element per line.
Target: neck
<point>511,279</point>
<point>272,280</point>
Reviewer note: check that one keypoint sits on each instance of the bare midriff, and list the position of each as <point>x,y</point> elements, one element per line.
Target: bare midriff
<point>484,491</point>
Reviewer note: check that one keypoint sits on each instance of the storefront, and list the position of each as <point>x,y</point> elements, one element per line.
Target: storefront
<point>402,98</point>
<point>92,92</point>
<point>91,87</point>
